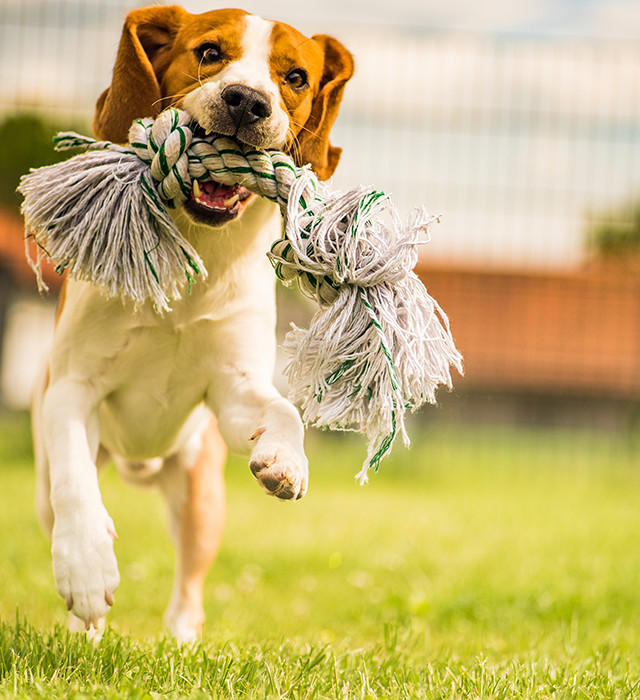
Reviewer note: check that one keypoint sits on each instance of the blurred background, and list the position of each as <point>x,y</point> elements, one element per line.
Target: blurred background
<point>517,120</point>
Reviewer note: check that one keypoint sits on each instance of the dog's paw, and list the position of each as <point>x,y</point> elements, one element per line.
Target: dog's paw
<point>184,622</point>
<point>84,564</point>
<point>280,469</point>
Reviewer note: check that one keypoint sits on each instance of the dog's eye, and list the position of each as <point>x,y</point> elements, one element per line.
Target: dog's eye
<point>209,52</point>
<point>297,78</point>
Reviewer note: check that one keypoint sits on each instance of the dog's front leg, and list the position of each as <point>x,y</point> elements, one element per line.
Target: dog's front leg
<point>84,564</point>
<point>277,459</point>
<point>253,417</point>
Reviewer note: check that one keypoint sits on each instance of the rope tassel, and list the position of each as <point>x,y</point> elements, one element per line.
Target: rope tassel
<point>378,345</point>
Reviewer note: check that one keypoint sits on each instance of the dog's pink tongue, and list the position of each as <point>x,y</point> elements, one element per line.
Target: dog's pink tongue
<point>216,196</point>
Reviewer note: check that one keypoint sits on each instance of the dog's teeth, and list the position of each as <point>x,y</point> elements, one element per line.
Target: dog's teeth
<point>207,132</point>
<point>196,189</point>
<point>231,201</point>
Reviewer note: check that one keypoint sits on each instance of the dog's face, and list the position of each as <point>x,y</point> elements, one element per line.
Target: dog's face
<point>260,82</point>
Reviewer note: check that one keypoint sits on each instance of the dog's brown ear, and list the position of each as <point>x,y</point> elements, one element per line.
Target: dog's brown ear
<point>314,137</point>
<point>147,38</point>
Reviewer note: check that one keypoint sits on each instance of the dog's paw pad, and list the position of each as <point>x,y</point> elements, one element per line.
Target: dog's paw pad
<point>281,475</point>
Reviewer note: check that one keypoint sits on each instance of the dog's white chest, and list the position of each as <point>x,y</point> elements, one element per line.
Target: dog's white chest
<point>149,371</point>
<point>152,386</point>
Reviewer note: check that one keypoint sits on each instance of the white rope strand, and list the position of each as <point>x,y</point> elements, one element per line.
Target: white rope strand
<point>377,347</point>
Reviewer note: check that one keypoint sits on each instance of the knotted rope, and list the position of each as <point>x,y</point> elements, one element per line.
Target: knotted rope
<point>378,346</point>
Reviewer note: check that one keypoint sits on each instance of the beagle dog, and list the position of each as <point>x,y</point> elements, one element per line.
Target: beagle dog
<point>162,395</point>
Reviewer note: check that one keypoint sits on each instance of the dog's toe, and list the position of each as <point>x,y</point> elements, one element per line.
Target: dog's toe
<point>84,564</point>
<point>282,474</point>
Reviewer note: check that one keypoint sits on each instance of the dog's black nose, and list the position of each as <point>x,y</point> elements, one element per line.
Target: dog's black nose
<point>246,105</point>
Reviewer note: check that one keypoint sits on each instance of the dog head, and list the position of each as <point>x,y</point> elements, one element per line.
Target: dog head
<point>260,82</point>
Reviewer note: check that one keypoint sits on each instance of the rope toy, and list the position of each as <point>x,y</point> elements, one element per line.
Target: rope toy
<point>378,345</point>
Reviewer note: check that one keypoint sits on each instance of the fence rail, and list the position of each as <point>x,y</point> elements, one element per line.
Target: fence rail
<point>520,142</point>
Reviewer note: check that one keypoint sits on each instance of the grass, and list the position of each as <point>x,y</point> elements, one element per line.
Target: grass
<point>482,563</point>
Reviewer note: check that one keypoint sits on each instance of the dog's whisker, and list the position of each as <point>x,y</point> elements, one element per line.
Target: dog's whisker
<point>294,149</point>
<point>302,127</point>
<point>199,78</point>
<point>169,97</point>
<point>306,40</point>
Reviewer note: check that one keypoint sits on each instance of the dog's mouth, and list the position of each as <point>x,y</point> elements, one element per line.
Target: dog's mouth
<point>212,202</point>
<point>215,204</point>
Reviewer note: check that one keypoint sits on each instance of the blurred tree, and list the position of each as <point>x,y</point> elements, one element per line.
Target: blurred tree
<point>619,234</point>
<point>25,142</point>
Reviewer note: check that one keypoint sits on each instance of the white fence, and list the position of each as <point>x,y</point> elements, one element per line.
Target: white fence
<point>518,141</point>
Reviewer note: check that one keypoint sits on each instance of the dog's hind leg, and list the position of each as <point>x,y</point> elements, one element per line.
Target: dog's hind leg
<point>193,484</point>
<point>44,511</point>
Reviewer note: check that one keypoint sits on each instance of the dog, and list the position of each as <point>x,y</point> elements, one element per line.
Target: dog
<point>163,395</point>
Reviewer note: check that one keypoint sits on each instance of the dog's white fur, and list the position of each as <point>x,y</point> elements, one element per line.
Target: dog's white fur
<point>252,69</point>
<point>136,383</point>
<point>142,387</point>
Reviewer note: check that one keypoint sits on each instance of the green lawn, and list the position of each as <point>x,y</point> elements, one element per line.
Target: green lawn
<point>481,563</point>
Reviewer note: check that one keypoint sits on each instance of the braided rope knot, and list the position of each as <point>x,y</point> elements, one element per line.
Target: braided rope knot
<point>347,240</point>
<point>378,346</point>
<point>163,144</point>
<point>177,156</point>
